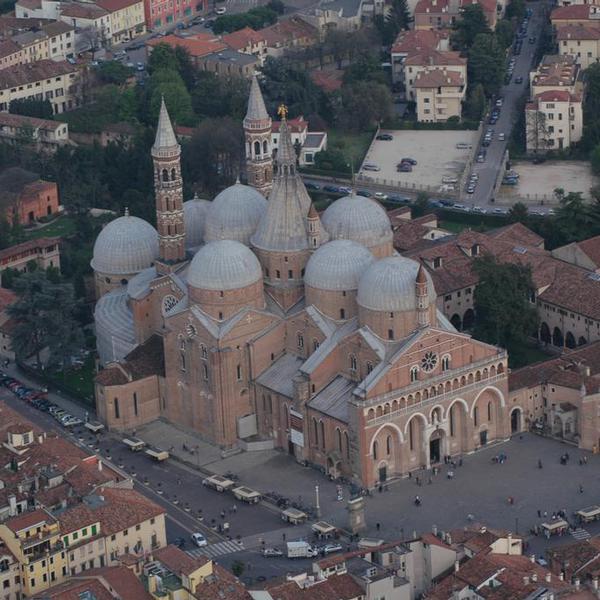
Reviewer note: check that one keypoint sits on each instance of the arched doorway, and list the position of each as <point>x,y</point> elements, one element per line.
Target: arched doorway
<point>456,322</point>
<point>570,340</point>
<point>557,427</point>
<point>414,434</point>
<point>557,337</point>
<point>436,449</point>
<point>334,465</point>
<point>515,420</point>
<point>545,335</point>
<point>457,418</point>
<point>469,319</point>
<point>581,341</point>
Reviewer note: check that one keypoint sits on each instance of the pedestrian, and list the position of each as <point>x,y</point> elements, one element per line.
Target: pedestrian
<point>283,536</point>
<point>540,466</point>
<point>410,474</point>
<point>222,514</point>
<point>539,514</point>
<point>429,481</point>
<point>378,526</point>
<point>585,460</point>
<point>234,508</point>
<point>380,488</point>
<point>580,489</point>
<point>545,514</point>
<point>460,462</point>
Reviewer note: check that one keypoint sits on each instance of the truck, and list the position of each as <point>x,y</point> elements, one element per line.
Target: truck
<point>157,453</point>
<point>134,444</point>
<point>301,549</point>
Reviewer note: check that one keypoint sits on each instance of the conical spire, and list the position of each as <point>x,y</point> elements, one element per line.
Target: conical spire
<point>257,110</point>
<point>421,277</point>
<point>286,154</point>
<point>165,136</point>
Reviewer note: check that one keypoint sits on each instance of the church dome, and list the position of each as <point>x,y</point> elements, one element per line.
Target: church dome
<point>234,214</point>
<point>126,245</point>
<point>359,219</point>
<point>390,285</point>
<point>337,265</point>
<point>194,216</point>
<point>224,265</point>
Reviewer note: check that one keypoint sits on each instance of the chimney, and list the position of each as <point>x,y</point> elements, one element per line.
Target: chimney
<point>12,505</point>
<point>534,577</point>
<point>434,529</point>
<point>100,464</point>
<point>548,577</point>
<point>449,539</point>
<point>532,558</point>
<point>525,580</point>
<point>577,583</point>
<point>595,583</point>
<point>456,566</point>
<point>40,439</point>
<point>561,576</point>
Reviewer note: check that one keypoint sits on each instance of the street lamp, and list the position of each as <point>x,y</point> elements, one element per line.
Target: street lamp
<point>318,506</point>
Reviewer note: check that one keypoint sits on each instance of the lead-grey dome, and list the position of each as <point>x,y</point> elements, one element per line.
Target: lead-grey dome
<point>126,245</point>
<point>194,217</point>
<point>359,219</point>
<point>389,284</point>
<point>224,265</point>
<point>234,214</point>
<point>337,265</point>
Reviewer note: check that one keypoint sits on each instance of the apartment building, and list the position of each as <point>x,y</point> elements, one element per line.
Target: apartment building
<point>57,82</point>
<point>415,41</point>
<point>127,18</point>
<point>43,133</point>
<point>439,94</point>
<point>575,14</point>
<point>247,41</point>
<point>556,72</point>
<point>38,9</point>
<point>161,13</point>
<point>580,41</point>
<point>91,20</point>
<point>443,14</point>
<point>553,121</point>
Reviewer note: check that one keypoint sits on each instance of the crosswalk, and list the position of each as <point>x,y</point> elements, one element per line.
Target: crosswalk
<point>218,549</point>
<point>581,534</point>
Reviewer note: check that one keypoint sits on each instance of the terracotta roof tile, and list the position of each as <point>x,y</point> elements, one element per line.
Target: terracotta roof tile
<point>438,78</point>
<point>430,57</point>
<point>27,520</point>
<point>414,40</point>
<point>122,580</point>
<point>577,32</point>
<point>198,45</point>
<point>338,587</point>
<point>573,12</point>
<point>37,244</point>
<point>238,40</point>
<point>222,584</point>
<point>179,561</point>
<point>591,247</point>
<point>75,589</point>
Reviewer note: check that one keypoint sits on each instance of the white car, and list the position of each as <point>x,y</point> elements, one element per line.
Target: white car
<point>271,552</point>
<point>501,211</point>
<point>221,10</point>
<point>501,137</point>
<point>71,422</point>
<point>380,196</point>
<point>370,167</point>
<point>479,209</point>
<point>199,540</point>
<point>329,548</point>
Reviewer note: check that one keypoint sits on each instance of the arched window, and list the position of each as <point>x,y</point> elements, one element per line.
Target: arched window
<point>452,420</point>
<point>489,408</point>
<point>414,374</point>
<point>265,147</point>
<point>165,175</point>
<point>342,311</point>
<point>315,344</point>
<point>338,434</point>
<point>476,416</point>
<point>205,371</point>
<point>238,372</point>
<point>315,432</point>
<point>375,449</point>
<point>257,148</point>
<point>411,436</point>
<point>182,361</point>
<point>300,340</point>
<point>347,444</point>
<point>353,363</point>
<point>322,435</point>
<point>388,445</point>
<point>445,363</point>
<point>173,174</point>
<point>203,351</point>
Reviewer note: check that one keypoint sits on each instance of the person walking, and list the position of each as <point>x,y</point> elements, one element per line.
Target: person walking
<point>539,514</point>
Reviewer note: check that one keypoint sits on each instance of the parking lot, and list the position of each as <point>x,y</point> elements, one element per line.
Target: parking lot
<point>538,182</point>
<point>435,152</point>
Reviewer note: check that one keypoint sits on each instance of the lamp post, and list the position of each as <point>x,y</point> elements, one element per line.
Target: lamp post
<point>318,507</point>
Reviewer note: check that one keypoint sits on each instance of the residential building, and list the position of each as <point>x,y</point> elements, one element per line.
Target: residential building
<point>61,39</point>
<point>56,81</point>
<point>162,13</point>
<point>7,297</point>
<point>25,198</point>
<point>413,42</point>
<point>288,35</point>
<point>91,21</point>
<point>38,9</point>
<point>442,14</point>
<point>578,561</point>
<point>34,540</point>
<point>575,14</point>
<point>43,133</point>
<point>247,41</point>
<point>127,18</point>
<point>553,121</point>
<point>198,45</point>
<point>43,251</point>
<point>10,574</point>
<point>230,63</point>
<point>439,94</point>
<point>426,60</point>
<point>556,73</point>
<point>409,232</point>
<point>585,254</point>
<point>310,142</point>
<point>580,41</point>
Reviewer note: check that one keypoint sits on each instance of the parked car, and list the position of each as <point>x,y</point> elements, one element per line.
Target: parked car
<point>410,161</point>
<point>330,548</point>
<point>399,199</point>
<point>404,168</point>
<point>380,196</point>
<point>270,552</point>
<point>532,39</point>
<point>480,157</point>
<point>370,167</point>
<point>179,542</point>
<point>500,211</point>
<point>71,422</point>
<point>363,193</point>
<point>501,137</point>
<point>479,209</point>
<point>332,189</point>
<point>470,189</point>
<point>499,101</point>
<point>221,10</point>
<point>385,137</point>
<point>199,540</point>
<point>519,80</point>
<point>312,186</point>
<point>463,146</point>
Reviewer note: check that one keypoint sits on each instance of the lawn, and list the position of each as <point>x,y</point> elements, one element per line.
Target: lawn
<point>353,145</point>
<point>527,355</point>
<point>61,227</point>
<point>78,382</point>
<point>458,226</point>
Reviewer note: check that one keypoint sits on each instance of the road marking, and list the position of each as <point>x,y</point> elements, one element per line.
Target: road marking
<point>219,549</point>
<point>581,534</point>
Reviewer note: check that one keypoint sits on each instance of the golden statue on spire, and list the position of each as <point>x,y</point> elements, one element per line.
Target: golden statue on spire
<point>282,111</point>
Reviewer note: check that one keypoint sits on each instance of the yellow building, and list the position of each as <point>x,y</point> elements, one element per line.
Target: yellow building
<point>439,95</point>
<point>34,539</point>
<point>127,19</point>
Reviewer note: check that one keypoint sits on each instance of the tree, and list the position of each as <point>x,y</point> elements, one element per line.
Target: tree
<point>113,71</point>
<point>44,316</point>
<point>476,103</point>
<point>169,85</point>
<point>518,213</point>
<point>276,6</point>
<point>366,68</point>
<point>162,57</point>
<point>595,160</point>
<point>30,107</point>
<point>536,132</point>
<point>472,23</point>
<point>572,218</point>
<point>516,10</point>
<point>504,33</point>
<point>421,205</point>
<point>363,105</point>
<point>486,63</point>
<point>238,568</point>
<point>505,315</point>
<point>591,107</point>
<point>215,96</point>
<point>398,19</point>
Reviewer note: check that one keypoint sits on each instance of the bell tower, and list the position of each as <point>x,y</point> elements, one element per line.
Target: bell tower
<point>168,191</point>
<point>258,138</point>
<point>422,294</point>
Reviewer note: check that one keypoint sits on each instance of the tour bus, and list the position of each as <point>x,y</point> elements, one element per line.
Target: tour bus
<point>245,494</point>
<point>134,444</point>
<point>558,527</point>
<point>157,453</point>
<point>218,482</point>
<point>293,516</point>
<point>591,513</point>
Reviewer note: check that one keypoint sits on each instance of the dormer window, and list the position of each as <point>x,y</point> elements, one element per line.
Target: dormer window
<point>475,250</point>
<point>437,262</point>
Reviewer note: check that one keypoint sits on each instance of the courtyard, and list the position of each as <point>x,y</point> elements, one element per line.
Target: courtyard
<point>538,182</point>
<point>435,152</point>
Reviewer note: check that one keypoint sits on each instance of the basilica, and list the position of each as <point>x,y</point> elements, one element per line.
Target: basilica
<point>253,318</point>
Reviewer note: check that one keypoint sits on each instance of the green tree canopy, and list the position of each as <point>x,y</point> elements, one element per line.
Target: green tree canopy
<point>476,102</point>
<point>516,9</point>
<point>505,315</point>
<point>31,107</point>
<point>255,18</point>
<point>472,23</point>
<point>169,84</point>
<point>363,105</point>
<point>397,19</point>
<point>486,63</point>
<point>44,315</point>
<point>113,71</point>
<point>518,213</point>
<point>421,205</point>
<point>504,33</point>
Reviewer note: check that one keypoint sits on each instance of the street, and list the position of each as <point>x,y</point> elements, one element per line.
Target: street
<point>511,94</point>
